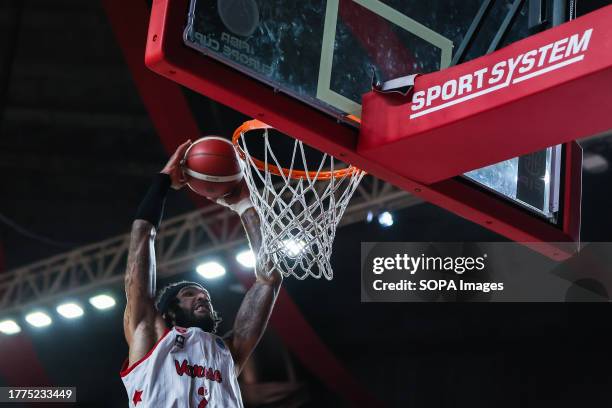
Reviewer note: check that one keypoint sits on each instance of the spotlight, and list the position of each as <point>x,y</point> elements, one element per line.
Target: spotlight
<point>293,248</point>
<point>9,327</point>
<point>210,270</point>
<point>102,302</point>
<point>38,319</point>
<point>70,310</point>
<point>246,258</point>
<point>385,219</point>
<point>370,217</point>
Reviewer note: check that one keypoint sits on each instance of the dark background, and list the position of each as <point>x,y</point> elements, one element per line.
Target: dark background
<point>77,150</point>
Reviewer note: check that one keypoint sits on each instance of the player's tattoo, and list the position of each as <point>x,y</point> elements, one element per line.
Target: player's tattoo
<point>258,302</point>
<point>141,258</point>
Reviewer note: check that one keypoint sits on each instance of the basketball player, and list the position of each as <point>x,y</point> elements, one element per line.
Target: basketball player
<point>175,357</point>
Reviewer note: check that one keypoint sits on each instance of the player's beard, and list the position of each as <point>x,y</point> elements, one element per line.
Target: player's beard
<point>184,318</point>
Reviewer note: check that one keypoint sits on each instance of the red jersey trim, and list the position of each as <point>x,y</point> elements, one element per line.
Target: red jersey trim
<point>125,370</point>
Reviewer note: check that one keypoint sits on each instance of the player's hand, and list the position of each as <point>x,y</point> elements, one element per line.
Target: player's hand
<point>238,199</point>
<point>173,167</point>
<point>267,273</point>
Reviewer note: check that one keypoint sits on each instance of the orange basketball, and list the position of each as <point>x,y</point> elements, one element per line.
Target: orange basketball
<point>211,167</point>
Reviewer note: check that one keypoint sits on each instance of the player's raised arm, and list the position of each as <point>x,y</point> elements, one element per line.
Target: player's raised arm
<point>142,324</point>
<point>256,307</point>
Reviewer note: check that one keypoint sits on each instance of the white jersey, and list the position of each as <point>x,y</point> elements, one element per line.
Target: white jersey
<point>186,368</point>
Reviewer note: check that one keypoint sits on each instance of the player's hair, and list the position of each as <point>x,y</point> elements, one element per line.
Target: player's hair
<point>166,299</point>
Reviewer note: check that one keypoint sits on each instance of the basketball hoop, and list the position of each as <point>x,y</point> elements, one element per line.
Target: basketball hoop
<point>299,208</point>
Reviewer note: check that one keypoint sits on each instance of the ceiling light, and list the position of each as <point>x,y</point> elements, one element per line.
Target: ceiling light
<point>210,270</point>
<point>293,248</point>
<point>9,327</point>
<point>369,216</point>
<point>70,310</point>
<point>246,258</point>
<point>385,219</point>
<point>102,302</point>
<point>38,319</point>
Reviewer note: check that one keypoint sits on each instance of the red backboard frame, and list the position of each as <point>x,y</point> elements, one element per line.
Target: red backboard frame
<point>167,56</point>
<point>541,91</point>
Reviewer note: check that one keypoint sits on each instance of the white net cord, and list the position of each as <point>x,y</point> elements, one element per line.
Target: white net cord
<point>298,209</point>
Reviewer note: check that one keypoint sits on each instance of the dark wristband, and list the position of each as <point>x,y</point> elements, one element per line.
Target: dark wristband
<point>151,208</point>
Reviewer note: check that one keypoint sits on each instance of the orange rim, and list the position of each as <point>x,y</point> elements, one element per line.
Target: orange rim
<point>281,171</point>
<point>354,118</point>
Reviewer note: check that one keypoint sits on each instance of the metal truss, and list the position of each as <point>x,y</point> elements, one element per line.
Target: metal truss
<point>181,241</point>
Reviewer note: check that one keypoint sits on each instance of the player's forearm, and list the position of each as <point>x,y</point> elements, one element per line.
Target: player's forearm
<point>140,271</point>
<point>263,271</point>
<point>252,319</point>
<point>251,223</point>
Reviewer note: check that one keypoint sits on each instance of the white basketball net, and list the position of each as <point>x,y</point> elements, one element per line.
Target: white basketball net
<point>298,216</point>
